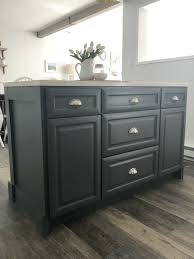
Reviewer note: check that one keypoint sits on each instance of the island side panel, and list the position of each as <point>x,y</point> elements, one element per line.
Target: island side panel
<point>26,149</point>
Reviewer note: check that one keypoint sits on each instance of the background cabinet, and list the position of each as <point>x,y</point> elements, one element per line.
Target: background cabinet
<point>74,163</point>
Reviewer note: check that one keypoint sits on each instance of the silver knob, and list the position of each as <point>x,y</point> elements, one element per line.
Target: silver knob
<point>134,100</point>
<point>133,171</point>
<point>75,102</point>
<point>175,98</point>
<point>133,131</point>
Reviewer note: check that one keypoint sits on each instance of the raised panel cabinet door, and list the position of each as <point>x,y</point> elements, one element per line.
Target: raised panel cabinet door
<point>74,163</point>
<point>172,140</point>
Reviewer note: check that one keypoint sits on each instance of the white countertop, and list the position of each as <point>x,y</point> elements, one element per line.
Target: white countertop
<point>92,83</point>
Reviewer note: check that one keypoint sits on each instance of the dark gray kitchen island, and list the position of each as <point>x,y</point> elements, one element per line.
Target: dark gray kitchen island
<point>79,145</point>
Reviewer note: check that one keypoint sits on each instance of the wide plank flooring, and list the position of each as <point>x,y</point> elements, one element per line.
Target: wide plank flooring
<point>156,223</point>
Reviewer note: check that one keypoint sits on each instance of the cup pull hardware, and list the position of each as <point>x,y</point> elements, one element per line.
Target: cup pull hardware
<point>75,102</point>
<point>175,98</point>
<point>133,171</point>
<point>134,100</point>
<point>133,131</point>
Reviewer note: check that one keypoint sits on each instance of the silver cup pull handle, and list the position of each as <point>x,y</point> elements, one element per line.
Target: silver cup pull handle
<point>75,102</point>
<point>133,131</point>
<point>175,98</point>
<point>133,171</point>
<point>134,100</point>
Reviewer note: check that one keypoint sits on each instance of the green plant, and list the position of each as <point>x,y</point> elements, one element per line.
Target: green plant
<point>87,52</point>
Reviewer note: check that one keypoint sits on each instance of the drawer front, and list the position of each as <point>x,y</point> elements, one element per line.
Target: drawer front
<point>129,131</point>
<point>122,171</point>
<point>130,99</point>
<point>173,97</point>
<point>73,102</point>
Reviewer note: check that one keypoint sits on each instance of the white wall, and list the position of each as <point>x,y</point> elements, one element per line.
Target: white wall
<point>26,53</point>
<point>173,71</point>
<point>106,29</point>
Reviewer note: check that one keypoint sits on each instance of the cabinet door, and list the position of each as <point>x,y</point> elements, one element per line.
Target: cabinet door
<point>74,163</point>
<point>172,140</point>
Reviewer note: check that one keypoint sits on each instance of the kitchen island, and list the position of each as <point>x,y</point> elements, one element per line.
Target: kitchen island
<point>75,146</point>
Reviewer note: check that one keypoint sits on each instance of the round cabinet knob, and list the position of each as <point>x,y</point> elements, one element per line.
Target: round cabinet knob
<point>133,171</point>
<point>133,131</point>
<point>75,102</point>
<point>134,100</point>
<point>175,98</point>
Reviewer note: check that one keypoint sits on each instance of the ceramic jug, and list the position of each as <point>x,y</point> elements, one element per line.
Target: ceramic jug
<point>87,69</point>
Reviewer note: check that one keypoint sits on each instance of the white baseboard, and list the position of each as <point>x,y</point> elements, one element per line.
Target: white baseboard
<point>189,153</point>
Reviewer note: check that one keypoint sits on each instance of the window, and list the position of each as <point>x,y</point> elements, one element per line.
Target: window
<point>166,30</point>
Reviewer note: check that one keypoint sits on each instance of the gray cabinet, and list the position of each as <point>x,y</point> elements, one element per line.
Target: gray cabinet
<point>76,148</point>
<point>172,139</point>
<point>74,163</point>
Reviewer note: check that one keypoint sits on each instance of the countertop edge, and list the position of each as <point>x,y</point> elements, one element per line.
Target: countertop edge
<point>57,83</point>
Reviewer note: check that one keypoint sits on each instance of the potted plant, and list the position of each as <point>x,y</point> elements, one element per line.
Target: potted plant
<point>86,59</point>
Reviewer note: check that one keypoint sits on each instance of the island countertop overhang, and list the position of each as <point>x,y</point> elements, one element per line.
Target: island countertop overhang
<point>100,84</point>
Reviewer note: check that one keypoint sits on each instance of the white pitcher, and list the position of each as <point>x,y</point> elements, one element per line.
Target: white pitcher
<point>87,69</point>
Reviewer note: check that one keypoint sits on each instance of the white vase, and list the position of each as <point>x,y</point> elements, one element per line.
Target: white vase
<point>87,69</point>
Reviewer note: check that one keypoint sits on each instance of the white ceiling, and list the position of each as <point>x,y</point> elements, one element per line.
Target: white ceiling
<point>32,15</point>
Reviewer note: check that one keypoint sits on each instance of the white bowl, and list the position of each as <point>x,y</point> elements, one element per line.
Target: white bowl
<point>100,76</point>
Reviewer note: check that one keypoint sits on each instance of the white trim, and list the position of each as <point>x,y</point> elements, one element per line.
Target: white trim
<point>190,159</point>
<point>189,154</point>
<point>139,63</point>
<point>189,147</point>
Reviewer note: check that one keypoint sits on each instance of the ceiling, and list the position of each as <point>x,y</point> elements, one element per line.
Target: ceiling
<point>33,15</point>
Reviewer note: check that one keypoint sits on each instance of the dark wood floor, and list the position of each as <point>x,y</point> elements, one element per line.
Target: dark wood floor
<point>157,223</point>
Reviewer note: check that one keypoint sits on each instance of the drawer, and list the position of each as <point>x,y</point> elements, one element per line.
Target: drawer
<point>173,97</point>
<point>130,99</point>
<point>129,131</point>
<point>72,102</point>
<point>121,172</point>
